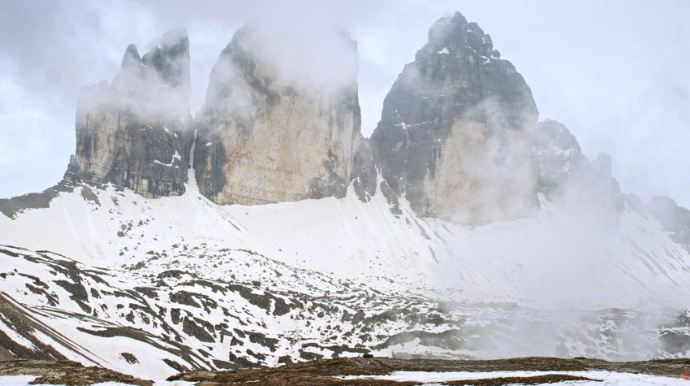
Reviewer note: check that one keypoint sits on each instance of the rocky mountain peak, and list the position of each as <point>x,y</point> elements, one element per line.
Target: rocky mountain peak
<point>131,58</point>
<point>156,85</point>
<point>455,33</point>
<point>133,133</point>
<point>565,174</point>
<point>456,130</point>
<point>556,156</point>
<point>267,132</point>
<point>170,59</point>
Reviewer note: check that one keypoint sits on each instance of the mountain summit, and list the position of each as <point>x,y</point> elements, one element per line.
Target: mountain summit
<point>133,133</point>
<point>266,136</point>
<point>457,128</point>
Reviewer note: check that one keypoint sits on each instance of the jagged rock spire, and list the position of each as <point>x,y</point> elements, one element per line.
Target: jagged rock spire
<point>456,130</point>
<point>133,133</point>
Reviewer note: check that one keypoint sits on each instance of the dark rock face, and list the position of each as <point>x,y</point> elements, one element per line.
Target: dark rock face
<point>455,134</point>
<point>557,155</point>
<point>363,171</point>
<point>133,133</point>
<point>10,207</point>
<point>264,137</point>
<point>564,173</point>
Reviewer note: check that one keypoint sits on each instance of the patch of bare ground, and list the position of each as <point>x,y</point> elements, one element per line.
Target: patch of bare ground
<point>66,373</point>
<point>327,372</point>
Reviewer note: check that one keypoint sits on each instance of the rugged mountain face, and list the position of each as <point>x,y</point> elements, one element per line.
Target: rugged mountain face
<point>133,133</point>
<point>264,137</point>
<point>456,130</point>
<point>564,173</point>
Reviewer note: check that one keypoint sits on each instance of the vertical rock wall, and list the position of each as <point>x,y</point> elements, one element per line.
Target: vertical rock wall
<point>263,138</point>
<point>133,133</point>
<point>456,131</point>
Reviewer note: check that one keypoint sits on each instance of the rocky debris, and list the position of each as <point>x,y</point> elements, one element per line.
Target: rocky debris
<point>326,372</point>
<point>270,312</point>
<point>133,133</point>
<point>21,324</point>
<point>316,325</point>
<point>455,135</point>
<point>66,373</point>
<point>263,139</point>
<point>10,207</point>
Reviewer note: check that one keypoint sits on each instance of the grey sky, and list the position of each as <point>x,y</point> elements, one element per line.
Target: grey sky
<point>615,72</point>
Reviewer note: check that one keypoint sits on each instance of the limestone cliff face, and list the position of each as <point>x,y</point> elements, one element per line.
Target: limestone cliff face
<point>456,131</point>
<point>133,133</point>
<point>262,137</point>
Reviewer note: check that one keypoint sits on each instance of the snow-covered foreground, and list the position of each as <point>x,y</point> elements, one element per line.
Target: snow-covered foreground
<point>599,378</point>
<point>152,287</point>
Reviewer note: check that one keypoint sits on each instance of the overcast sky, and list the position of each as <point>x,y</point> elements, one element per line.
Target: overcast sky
<point>617,73</point>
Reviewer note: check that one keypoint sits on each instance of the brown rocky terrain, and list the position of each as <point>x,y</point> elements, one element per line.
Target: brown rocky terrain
<point>326,372</point>
<point>66,373</point>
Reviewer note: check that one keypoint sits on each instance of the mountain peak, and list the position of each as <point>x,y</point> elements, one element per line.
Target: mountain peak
<point>456,118</point>
<point>133,133</point>
<point>454,33</point>
<point>131,58</point>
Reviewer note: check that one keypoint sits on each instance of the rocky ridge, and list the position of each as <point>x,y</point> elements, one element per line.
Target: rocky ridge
<point>133,132</point>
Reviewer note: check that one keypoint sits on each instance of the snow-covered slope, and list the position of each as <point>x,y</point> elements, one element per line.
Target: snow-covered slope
<point>599,257</point>
<point>154,286</point>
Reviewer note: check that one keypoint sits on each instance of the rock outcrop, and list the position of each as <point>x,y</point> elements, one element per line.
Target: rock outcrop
<point>265,136</point>
<point>565,174</point>
<point>455,135</point>
<point>133,132</point>
<point>363,170</point>
<point>557,155</point>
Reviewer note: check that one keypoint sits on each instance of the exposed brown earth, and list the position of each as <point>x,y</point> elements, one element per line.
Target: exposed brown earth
<point>66,373</point>
<point>325,372</point>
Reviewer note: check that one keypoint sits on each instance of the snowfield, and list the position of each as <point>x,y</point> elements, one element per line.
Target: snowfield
<point>151,287</point>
